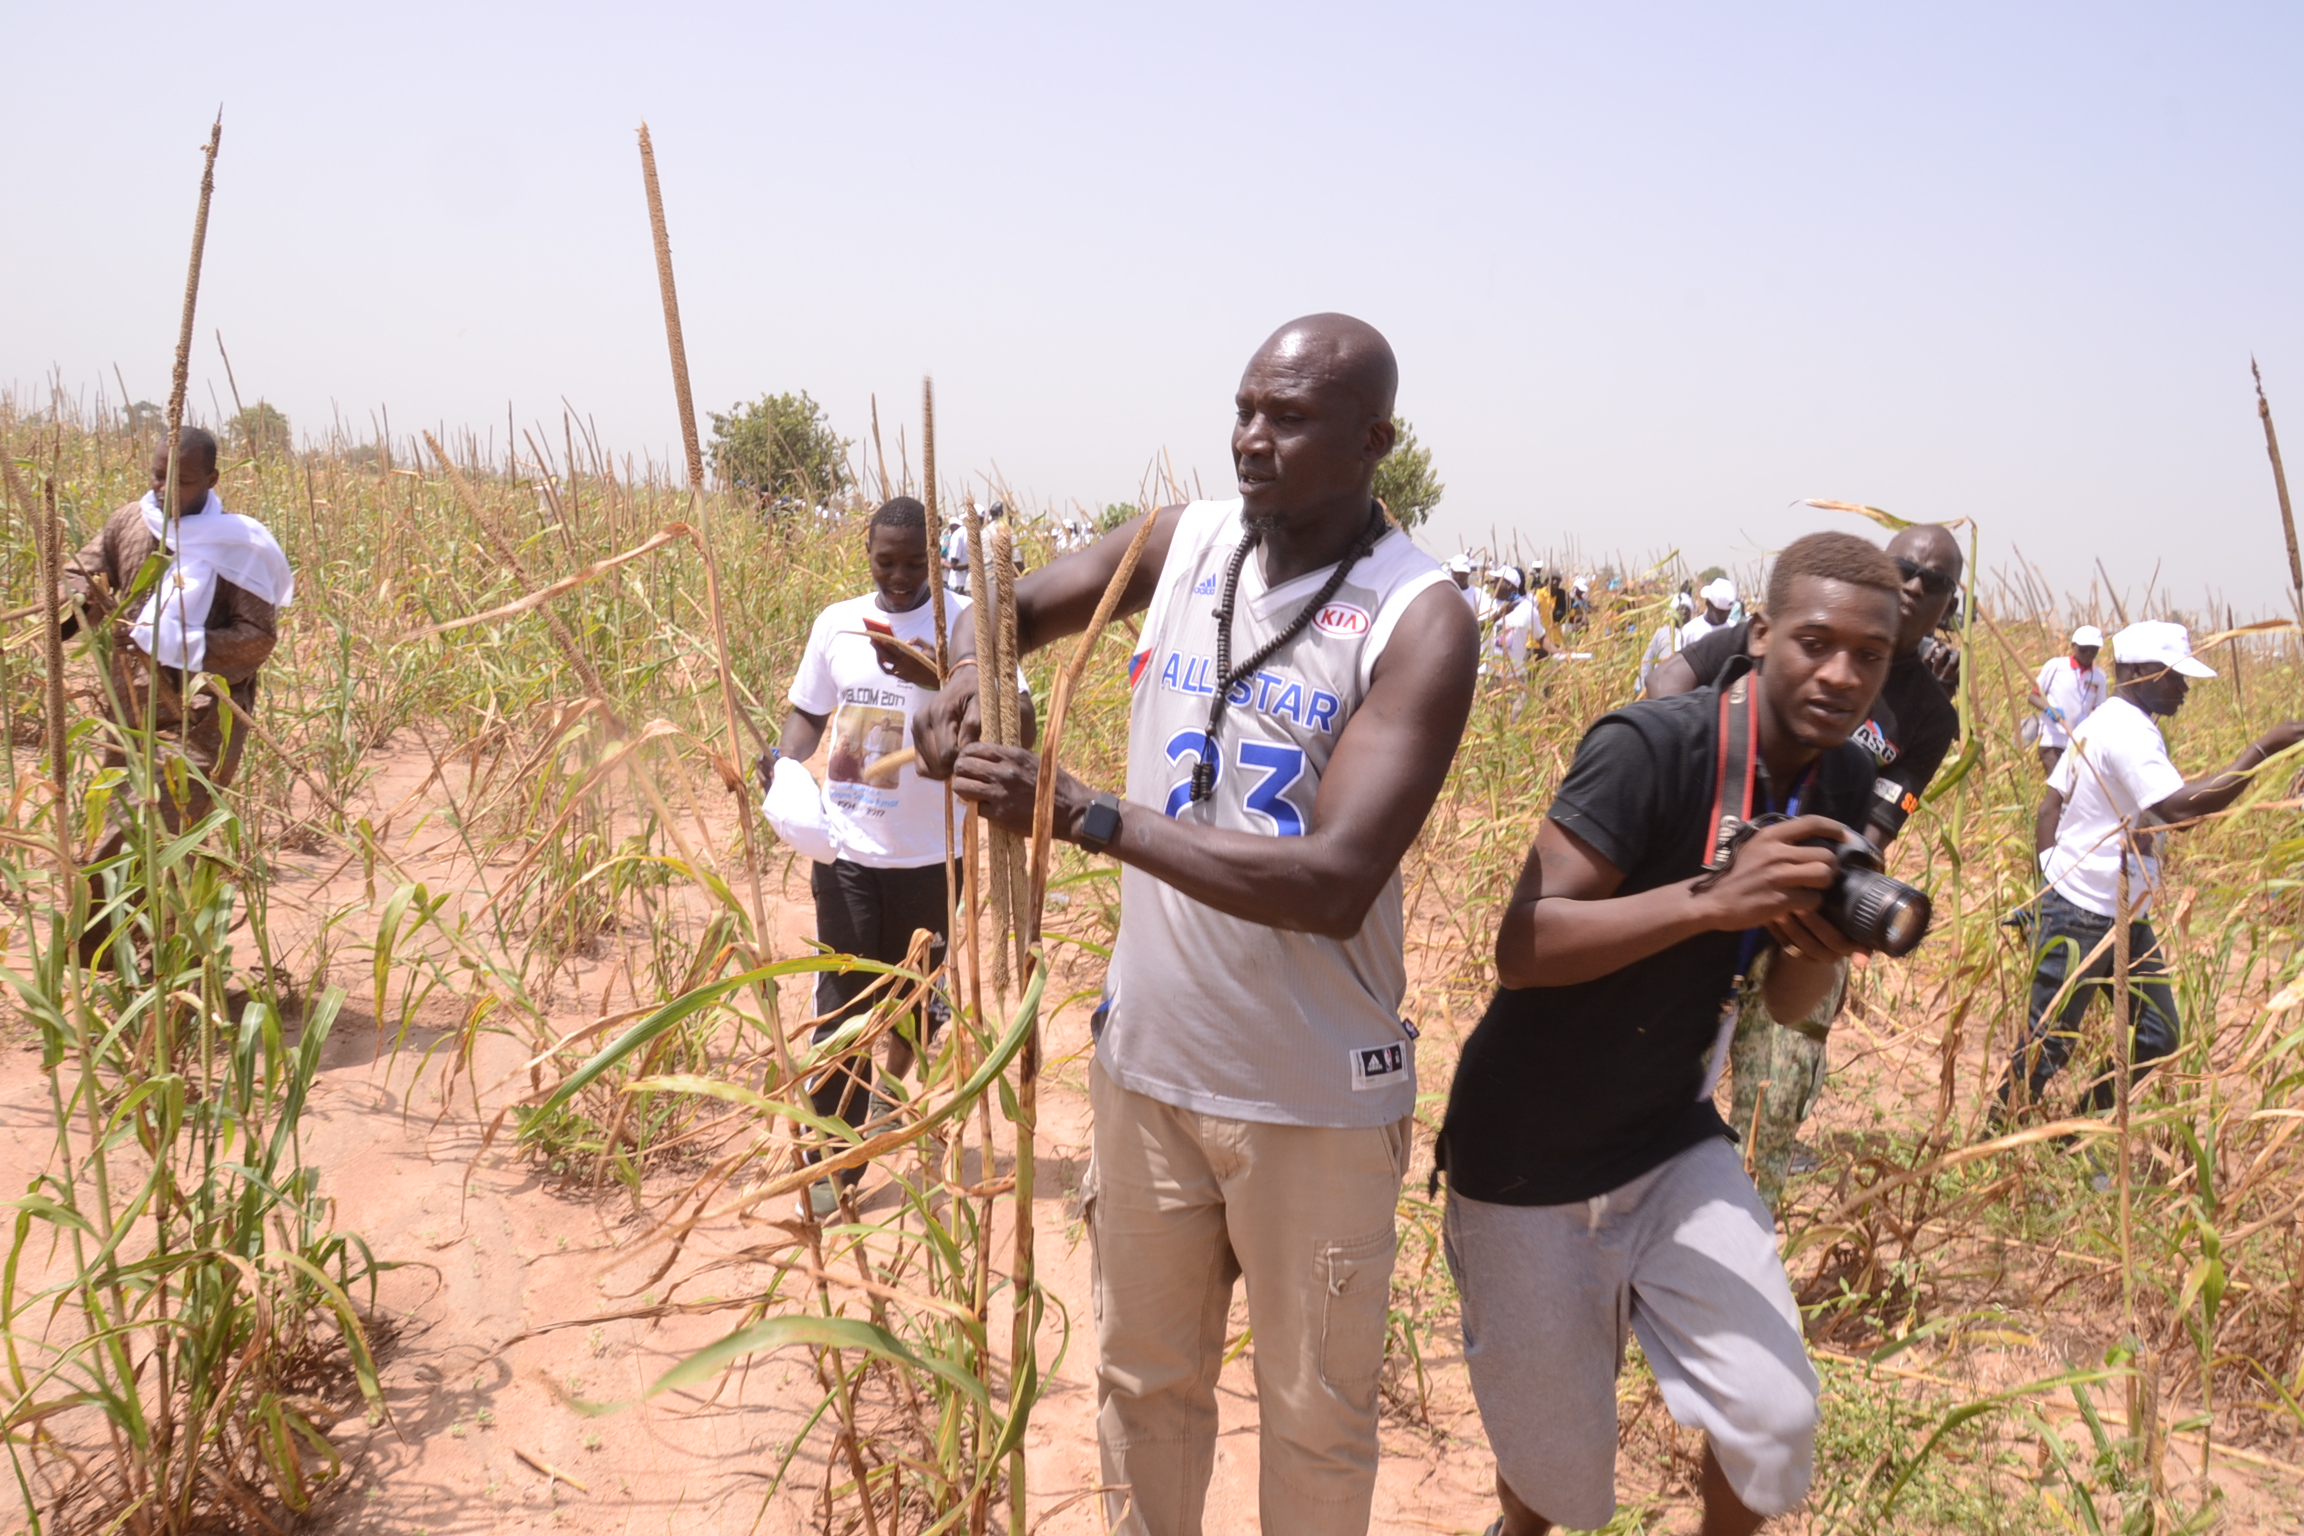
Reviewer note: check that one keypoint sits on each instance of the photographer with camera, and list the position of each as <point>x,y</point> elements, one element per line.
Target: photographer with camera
<point>1776,1069</point>
<point>1591,1179</point>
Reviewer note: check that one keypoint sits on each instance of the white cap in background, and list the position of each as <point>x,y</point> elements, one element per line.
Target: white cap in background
<point>2088,634</point>
<point>2157,642</point>
<point>1510,573</point>
<point>1720,592</point>
<point>1460,565</point>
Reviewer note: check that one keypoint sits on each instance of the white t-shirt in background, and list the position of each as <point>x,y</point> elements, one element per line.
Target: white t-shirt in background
<point>877,818</point>
<point>1696,629</point>
<point>1665,643</point>
<point>1513,634</point>
<point>2116,770</point>
<point>2073,693</point>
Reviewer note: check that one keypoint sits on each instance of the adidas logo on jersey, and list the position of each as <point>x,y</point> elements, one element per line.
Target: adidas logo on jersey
<point>1377,1066</point>
<point>1207,587</point>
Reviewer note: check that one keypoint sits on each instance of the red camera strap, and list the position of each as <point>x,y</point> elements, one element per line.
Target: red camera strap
<point>1737,763</point>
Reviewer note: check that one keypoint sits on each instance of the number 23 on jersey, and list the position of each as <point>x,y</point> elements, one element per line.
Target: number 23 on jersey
<point>1279,766</point>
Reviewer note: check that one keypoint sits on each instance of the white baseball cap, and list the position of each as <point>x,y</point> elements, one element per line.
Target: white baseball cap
<point>2158,641</point>
<point>1510,573</point>
<point>1720,592</point>
<point>2088,634</point>
<point>1460,565</point>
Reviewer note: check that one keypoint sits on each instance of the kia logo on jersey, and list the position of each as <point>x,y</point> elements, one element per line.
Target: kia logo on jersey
<point>1345,619</point>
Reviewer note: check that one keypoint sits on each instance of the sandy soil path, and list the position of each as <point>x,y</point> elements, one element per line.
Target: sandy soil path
<point>500,1322</point>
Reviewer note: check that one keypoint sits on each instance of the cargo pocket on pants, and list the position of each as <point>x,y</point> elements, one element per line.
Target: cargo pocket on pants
<point>1356,1275</point>
<point>1095,1248</point>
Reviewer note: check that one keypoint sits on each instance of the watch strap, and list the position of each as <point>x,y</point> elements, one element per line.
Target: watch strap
<point>1101,824</point>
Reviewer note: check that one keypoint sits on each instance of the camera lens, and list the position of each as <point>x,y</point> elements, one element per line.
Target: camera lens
<point>1878,912</point>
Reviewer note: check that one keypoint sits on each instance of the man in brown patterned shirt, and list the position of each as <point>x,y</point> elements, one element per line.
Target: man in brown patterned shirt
<point>231,641</point>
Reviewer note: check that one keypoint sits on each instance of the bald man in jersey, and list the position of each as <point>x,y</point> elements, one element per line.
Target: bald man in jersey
<point>1304,676</point>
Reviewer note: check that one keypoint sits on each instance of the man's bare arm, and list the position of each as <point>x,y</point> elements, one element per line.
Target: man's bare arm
<point>1566,924</point>
<point>803,732</point>
<point>1379,786</point>
<point>2214,791</point>
<point>1672,677</point>
<point>1054,601</point>
<point>2045,824</point>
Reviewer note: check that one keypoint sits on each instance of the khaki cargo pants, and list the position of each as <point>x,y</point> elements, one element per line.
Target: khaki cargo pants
<point>1179,1205</point>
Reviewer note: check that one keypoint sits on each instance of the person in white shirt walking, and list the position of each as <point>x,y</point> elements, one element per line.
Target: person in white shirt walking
<point>1719,603</point>
<point>1665,643</point>
<point>2095,836</point>
<point>1459,571</point>
<point>2067,692</point>
<point>884,823</point>
<point>1518,627</point>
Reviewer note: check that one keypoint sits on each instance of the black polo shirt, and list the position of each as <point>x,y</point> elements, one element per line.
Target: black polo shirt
<point>1913,722</point>
<point>1567,1092</point>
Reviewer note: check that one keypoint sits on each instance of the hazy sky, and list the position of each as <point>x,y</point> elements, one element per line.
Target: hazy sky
<point>1652,272</point>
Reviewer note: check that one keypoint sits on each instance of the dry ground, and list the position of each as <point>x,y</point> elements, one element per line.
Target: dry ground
<point>492,1249</point>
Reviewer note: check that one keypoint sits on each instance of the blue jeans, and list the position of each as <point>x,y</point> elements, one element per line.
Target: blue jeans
<point>2065,935</point>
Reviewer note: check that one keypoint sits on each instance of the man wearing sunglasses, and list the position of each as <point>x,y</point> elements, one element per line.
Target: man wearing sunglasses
<point>1778,1069</point>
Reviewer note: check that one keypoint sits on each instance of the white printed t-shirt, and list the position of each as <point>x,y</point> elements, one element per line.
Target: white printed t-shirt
<point>2073,693</point>
<point>877,818</point>
<point>2117,769</point>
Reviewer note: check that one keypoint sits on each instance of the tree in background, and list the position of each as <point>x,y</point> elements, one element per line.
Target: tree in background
<point>1114,514</point>
<point>1404,481</point>
<point>260,429</point>
<point>781,448</point>
<point>144,417</point>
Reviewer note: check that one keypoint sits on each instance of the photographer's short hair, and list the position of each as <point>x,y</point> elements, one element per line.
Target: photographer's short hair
<point>900,512</point>
<point>1835,557</point>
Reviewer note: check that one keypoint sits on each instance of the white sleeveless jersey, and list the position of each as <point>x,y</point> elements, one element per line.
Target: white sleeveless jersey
<point>1214,1013</point>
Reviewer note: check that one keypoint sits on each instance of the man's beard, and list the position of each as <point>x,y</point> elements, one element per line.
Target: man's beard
<point>1261,523</point>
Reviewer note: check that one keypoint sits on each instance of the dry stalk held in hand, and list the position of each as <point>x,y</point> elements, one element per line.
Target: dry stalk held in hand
<point>1007,847</point>
<point>1060,706</point>
<point>988,725</point>
<point>935,530</point>
<point>1035,890</point>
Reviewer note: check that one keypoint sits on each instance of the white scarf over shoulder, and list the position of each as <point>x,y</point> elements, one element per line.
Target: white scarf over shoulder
<point>212,545</point>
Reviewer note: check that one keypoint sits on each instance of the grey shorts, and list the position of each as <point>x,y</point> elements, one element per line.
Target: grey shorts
<point>1685,1255</point>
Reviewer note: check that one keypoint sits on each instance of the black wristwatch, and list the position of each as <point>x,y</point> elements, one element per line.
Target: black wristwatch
<point>1101,824</point>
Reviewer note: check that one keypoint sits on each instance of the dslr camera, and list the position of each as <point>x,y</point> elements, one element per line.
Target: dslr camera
<point>1870,906</point>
